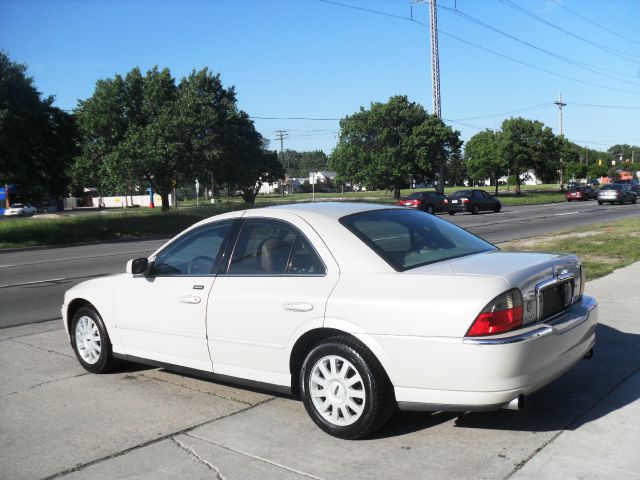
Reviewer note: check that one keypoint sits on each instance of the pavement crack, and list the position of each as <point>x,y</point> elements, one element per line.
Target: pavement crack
<point>42,348</point>
<point>41,384</point>
<point>571,424</point>
<point>183,431</point>
<point>255,457</point>
<point>193,454</point>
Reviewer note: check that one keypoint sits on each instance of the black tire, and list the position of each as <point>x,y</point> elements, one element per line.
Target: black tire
<point>474,210</point>
<point>634,200</point>
<point>429,209</point>
<point>104,363</point>
<point>452,213</point>
<point>599,202</point>
<point>378,403</point>
<point>497,208</point>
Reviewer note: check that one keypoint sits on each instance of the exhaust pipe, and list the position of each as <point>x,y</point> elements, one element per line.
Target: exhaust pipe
<point>515,404</point>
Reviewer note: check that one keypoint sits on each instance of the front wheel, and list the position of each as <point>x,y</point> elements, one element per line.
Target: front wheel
<point>497,208</point>
<point>452,213</point>
<point>599,202</point>
<point>91,342</point>
<point>344,389</point>
<point>474,210</point>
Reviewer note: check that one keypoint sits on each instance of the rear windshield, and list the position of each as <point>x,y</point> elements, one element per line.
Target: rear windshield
<point>611,187</point>
<point>407,239</point>
<point>416,195</point>
<point>462,193</point>
<point>576,189</point>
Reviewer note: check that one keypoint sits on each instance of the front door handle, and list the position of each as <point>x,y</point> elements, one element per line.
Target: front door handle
<point>189,299</point>
<point>297,306</point>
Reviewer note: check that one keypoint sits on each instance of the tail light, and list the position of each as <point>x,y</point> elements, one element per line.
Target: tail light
<point>465,200</point>
<point>445,201</point>
<point>502,314</point>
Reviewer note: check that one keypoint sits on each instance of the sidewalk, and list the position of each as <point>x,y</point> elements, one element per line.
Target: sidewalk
<point>58,421</point>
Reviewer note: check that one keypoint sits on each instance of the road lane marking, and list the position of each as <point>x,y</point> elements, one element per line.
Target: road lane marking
<point>566,213</point>
<point>53,280</point>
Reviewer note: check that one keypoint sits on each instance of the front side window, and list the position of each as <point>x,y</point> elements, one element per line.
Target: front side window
<point>273,247</point>
<point>196,253</point>
<point>407,239</point>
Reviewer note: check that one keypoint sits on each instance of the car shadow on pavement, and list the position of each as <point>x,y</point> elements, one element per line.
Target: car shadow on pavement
<point>574,399</point>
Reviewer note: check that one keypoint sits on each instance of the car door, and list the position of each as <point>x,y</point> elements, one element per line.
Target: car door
<point>162,315</point>
<point>488,202</point>
<point>275,287</point>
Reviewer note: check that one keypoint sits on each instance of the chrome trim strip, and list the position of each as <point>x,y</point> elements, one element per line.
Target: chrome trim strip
<point>523,337</point>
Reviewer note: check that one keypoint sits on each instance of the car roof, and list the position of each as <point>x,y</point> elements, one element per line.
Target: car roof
<point>328,210</point>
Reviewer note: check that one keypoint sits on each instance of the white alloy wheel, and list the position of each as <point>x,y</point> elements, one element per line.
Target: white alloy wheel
<point>337,390</point>
<point>88,341</point>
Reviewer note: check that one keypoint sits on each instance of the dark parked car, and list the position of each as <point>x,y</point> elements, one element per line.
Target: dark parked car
<point>616,193</point>
<point>580,193</point>
<point>429,202</point>
<point>473,201</point>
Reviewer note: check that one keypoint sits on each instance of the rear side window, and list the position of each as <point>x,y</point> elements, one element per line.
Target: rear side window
<point>407,239</point>
<point>273,247</point>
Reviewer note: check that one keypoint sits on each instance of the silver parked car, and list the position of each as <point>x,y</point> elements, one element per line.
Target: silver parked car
<point>616,193</point>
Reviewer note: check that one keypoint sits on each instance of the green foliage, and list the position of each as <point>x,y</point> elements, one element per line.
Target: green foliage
<point>390,143</point>
<point>37,140</point>
<point>528,145</point>
<point>483,159</point>
<point>301,163</point>
<point>141,130</point>
<point>597,171</point>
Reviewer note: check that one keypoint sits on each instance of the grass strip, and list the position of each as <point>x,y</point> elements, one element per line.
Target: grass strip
<point>97,227</point>
<point>603,248</point>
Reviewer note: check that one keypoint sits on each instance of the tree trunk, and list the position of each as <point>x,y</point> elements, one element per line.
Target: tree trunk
<point>496,185</point>
<point>396,192</point>
<point>249,196</point>
<point>518,191</point>
<point>165,201</point>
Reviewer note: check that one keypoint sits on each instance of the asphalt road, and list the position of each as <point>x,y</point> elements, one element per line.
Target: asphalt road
<point>32,282</point>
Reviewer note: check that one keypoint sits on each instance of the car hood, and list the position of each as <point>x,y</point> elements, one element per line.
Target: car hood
<point>100,284</point>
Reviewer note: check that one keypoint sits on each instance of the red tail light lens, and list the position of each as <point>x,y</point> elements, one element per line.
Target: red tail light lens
<point>502,314</point>
<point>465,200</point>
<point>445,201</point>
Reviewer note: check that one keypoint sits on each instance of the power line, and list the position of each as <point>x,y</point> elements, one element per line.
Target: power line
<point>594,23</point>
<point>533,107</point>
<point>629,57</point>
<point>621,107</point>
<point>298,118</point>
<point>586,66</point>
<point>566,77</point>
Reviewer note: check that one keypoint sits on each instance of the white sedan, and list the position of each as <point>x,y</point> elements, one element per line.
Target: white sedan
<point>20,210</point>
<point>360,308</point>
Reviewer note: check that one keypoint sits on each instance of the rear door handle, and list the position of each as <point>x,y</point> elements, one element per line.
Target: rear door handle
<point>189,299</point>
<point>297,306</point>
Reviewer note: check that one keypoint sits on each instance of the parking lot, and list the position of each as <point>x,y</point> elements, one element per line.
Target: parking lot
<point>59,421</point>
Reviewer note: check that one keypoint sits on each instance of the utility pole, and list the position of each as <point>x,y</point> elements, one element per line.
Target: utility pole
<point>435,73</point>
<point>282,134</point>
<point>561,104</point>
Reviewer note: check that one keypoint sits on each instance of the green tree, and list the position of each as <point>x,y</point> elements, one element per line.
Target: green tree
<point>141,130</point>
<point>596,171</point>
<point>37,140</point>
<point>528,145</point>
<point>483,159</point>
<point>390,143</point>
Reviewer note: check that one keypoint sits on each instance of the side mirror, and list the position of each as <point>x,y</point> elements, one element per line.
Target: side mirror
<point>137,266</point>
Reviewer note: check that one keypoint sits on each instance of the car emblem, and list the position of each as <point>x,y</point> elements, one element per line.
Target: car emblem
<point>529,306</point>
<point>558,270</point>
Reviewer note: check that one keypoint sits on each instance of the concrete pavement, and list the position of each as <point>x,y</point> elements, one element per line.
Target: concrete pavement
<point>57,421</point>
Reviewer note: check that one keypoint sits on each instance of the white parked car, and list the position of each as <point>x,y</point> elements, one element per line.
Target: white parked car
<point>20,209</point>
<point>358,307</point>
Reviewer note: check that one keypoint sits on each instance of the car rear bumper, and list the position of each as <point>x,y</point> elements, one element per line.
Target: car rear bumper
<point>485,373</point>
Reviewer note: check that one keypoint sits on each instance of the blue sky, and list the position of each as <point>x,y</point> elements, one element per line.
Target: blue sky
<point>315,59</point>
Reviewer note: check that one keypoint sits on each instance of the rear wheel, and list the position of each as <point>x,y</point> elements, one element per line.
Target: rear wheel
<point>429,209</point>
<point>474,210</point>
<point>497,208</point>
<point>91,342</point>
<point>452,213</point>
<point>344,388</point>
